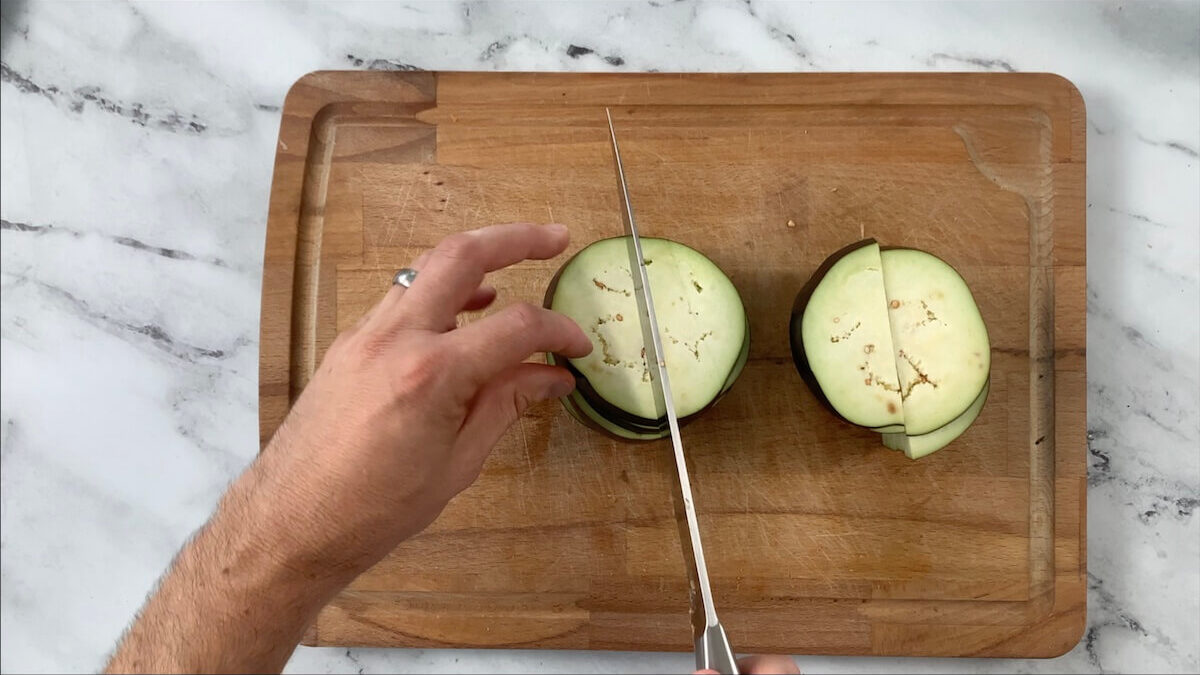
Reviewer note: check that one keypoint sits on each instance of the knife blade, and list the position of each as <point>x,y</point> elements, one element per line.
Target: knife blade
<point>712,646</point>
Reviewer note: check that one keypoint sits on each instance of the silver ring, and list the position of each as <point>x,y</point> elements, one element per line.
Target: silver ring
<point>404,277</point>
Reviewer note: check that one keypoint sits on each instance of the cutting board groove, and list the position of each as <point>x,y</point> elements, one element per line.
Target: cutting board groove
<point>821,540</point>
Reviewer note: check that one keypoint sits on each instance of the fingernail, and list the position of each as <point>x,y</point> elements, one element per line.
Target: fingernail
<point>560,388</point>
<point>557,228</point>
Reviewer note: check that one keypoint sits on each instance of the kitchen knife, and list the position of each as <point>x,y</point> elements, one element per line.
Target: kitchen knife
<point>712,646</point>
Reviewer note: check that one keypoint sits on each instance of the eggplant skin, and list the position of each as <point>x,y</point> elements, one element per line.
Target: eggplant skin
<point>639,428</point>
<point>799,357</point>
<point>574,402</point>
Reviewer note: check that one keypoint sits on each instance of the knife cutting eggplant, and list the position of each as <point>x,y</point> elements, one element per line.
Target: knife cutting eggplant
<point>632,380</point>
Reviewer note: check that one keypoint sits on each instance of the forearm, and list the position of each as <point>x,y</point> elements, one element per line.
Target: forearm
<point>237,598</point>
<point>398,418</point>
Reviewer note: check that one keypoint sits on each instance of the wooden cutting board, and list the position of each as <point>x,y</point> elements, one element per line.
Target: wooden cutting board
<point>819,539</point>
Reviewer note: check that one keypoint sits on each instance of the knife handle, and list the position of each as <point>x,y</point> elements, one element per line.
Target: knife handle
<point>713,651</point>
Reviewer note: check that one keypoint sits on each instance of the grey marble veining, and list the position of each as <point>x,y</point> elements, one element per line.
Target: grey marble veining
<point>138,142</point>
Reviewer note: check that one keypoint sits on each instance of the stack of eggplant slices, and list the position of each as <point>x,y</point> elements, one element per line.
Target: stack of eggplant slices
<point>888,338</point>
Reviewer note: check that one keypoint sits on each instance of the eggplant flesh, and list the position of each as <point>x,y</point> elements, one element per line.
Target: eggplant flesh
<point>943,355</point>
<point>892,340</point>
<point>842,342</point>
<point>916,447</point>
<point>702,322</point>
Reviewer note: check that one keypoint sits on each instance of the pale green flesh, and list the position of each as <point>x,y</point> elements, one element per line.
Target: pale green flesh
<point>848,344</point>
<point>942,353</point>
<point>578,407</point>
<point>936,358</point>
<point>916,447</point>
<point>700,316</point>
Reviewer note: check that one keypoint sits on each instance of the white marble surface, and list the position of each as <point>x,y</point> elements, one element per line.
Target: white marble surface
<point>137,152</point>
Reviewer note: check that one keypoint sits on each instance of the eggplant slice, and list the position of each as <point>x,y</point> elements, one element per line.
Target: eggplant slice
<point>705,333</point>
<point>892,340</point>
<point>916,447</point>
<point>841,340</point>
<point>943,355</point>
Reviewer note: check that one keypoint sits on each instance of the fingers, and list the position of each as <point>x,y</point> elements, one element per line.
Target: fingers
<point>766,664</point>
<point>457,266</point>
<point>386,307</point>
<point>498,405</point>
<point>496,342</point>
<point>384,312</point>
<point>481,298</point>
<point>762,664</point>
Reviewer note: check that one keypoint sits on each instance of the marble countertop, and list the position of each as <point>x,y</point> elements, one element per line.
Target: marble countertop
<point>138,142</point>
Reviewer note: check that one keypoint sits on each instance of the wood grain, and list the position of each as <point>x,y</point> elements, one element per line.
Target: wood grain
<point>820,540</point>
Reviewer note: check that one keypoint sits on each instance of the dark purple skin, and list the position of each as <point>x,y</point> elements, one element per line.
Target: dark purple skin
<point>798,307</point>
<point>570,403</point>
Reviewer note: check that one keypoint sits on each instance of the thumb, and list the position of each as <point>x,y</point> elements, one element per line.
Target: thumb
<point>500,403</point>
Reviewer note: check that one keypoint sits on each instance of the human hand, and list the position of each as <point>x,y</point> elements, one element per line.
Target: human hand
<point>398,418</point>
<point>762,664</point>
<point>405,407</point>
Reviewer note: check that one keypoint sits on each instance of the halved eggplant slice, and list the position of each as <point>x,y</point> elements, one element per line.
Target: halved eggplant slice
<point>943,355</point>
<point>916,447</point>
<point>703,323</point>
<point>841,340</point>
<point>892,340</point>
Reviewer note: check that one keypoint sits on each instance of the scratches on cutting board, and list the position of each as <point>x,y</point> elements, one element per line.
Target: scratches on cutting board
<point>412,224</point>
<point>657,155</point>
<point>481,206</point>
<point>382,271</point>
<point>815,539</point>
<point>525,444</point>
